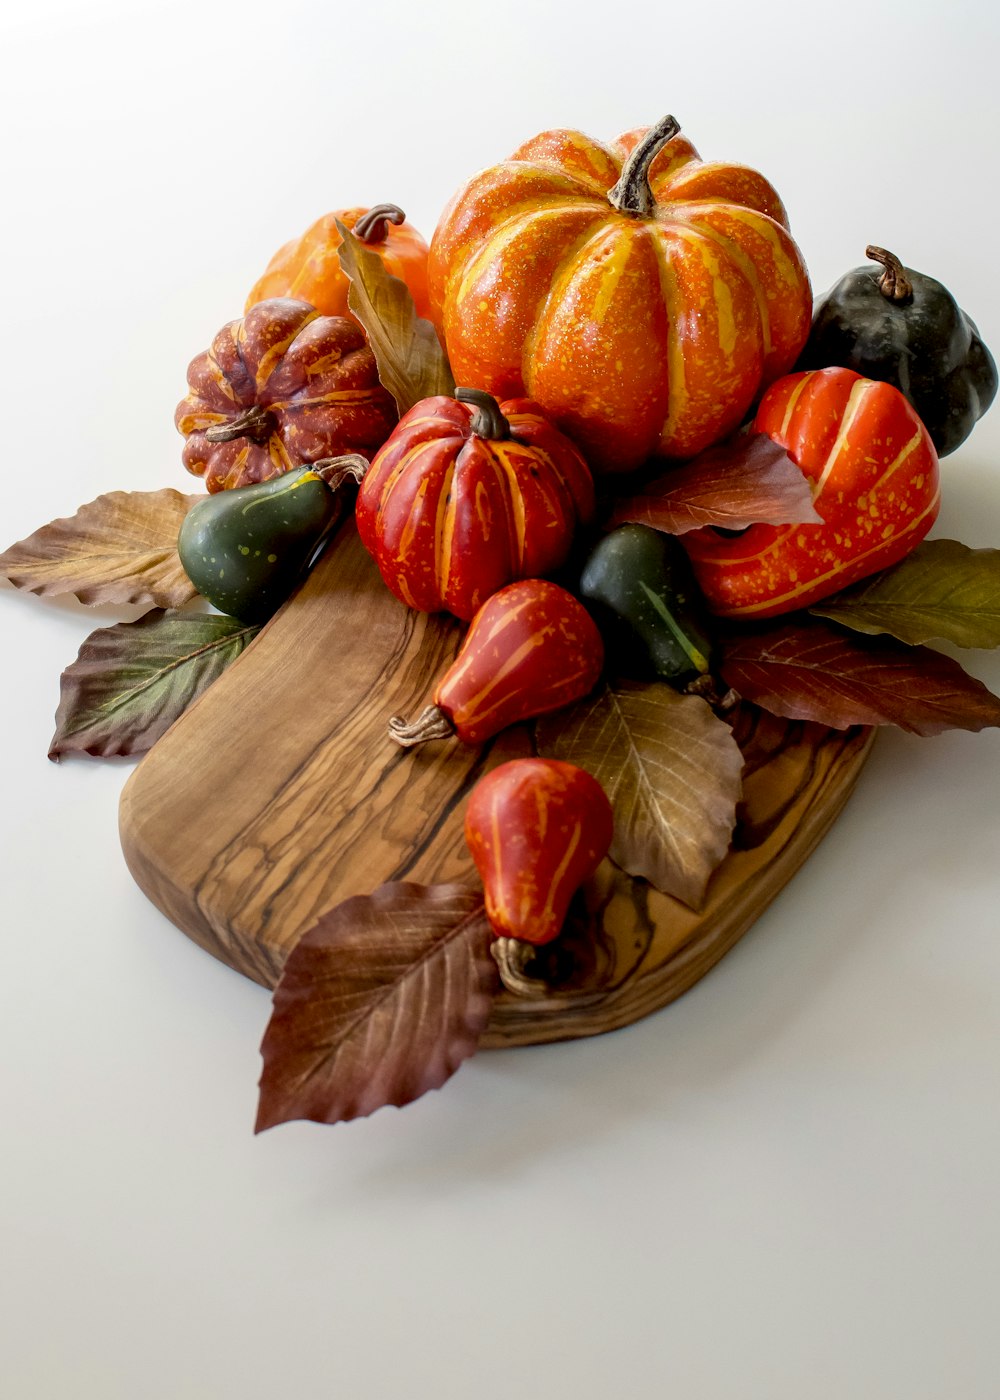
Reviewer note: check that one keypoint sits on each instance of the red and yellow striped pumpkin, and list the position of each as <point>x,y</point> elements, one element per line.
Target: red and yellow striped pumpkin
<point>642,298</point>
<point>283,387</point>
<point>875,481</point>
<point>468,495</point>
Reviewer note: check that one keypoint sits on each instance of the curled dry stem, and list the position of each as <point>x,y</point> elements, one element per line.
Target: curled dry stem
<point>334,471</point>
<point>512,956</point>
<point>431,723</point>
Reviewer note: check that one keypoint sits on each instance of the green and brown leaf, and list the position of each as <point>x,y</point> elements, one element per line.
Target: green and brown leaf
<point>379,1002</point>
<point>131,681</point>
<point>808,670</point>
<point>672,772</point>
<point>411,362</point>
<point>119,548</point>
<point>943,590</point>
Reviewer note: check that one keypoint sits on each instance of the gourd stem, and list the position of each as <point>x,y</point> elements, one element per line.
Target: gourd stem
<point>632,194</point>
<point>705,687</point>
<point>373,227</point>
<point>431,723</point>
<point>334,471</point>
<point>487,421</point>
<point>894,283</point>
<point>512,956</point>
<point>256,422</point>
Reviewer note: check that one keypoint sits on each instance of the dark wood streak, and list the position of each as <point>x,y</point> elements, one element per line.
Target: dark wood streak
<point>279,794</point>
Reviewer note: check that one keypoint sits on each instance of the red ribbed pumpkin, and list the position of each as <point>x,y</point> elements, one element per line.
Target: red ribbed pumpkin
<point>875,483</point>
<point>468,495</point>
<point>283,387</point>
<point>642,298</point>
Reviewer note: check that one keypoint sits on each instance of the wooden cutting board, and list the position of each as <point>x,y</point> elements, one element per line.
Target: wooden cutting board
<point>278,794</point>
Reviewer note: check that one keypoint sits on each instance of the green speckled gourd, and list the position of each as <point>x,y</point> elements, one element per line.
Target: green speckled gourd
<point>641,588</point>
<point>246,549</point>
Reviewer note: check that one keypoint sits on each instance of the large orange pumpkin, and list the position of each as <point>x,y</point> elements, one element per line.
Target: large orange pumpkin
<point>644,299</point>
<point>308,268</point>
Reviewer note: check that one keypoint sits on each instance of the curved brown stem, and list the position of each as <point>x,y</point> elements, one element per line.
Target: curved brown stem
<point>894,283</point>
<point>373,227</point>
<point>487,421</point>
<point>512,956</point>
<point>256,423</point>
<point>431,723</point>
<point>705,687</point>
<point>334,471</point>
<point>632,195</point>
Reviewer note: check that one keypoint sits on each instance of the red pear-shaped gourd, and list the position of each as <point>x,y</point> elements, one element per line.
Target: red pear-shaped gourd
<point>532,648</point>
<point>537,829</point>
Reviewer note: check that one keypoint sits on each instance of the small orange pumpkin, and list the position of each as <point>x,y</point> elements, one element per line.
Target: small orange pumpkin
<point>283,387</point>
<point>308,267</point>
<point>642,298</point>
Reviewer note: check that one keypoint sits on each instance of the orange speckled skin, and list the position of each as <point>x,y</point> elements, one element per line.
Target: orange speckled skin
<point>315,374</point>
<point>532,648</point>
<point>640,337</point>
<point>875,483</point>
<point>537,828</point>
<point>308,268</point>
<point>449,517</point>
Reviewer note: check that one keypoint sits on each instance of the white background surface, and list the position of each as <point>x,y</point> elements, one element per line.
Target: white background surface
<point>783,1186</point>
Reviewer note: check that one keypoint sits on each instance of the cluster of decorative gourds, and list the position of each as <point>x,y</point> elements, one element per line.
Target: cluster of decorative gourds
<point>607,306</point>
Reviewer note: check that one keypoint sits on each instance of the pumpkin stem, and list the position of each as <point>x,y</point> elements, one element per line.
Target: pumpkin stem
<point>894,283</point>
<point>373,227</point>
<point>487,421</point>
<point>632,194</point>
<point>431,723</point>
<point>334,471</point>
<point>256,423</point>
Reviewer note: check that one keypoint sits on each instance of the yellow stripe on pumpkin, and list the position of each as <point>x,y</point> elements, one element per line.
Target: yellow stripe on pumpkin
<point>855,402</point>
<point>677,393</point>
<point>444,532</point>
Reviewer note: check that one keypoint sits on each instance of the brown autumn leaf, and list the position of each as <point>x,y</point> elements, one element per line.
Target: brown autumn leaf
<point>131,681</point>
<point>942,589</point>
<point>379,1001</point>
<point>672,772</point>
<point>119,548</point>
<point>750,480</point>
<point>805,669</point>
<point>411,362</point>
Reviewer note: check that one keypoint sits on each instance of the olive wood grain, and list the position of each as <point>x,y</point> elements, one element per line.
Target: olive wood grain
<point>279,793</point>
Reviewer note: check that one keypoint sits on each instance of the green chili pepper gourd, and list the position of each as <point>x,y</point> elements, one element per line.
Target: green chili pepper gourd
<point>905,328</point>
<point>641,589</point>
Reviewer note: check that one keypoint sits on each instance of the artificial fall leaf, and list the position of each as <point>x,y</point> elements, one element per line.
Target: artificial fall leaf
<point>378,1002</point>
<point>131,681</point>
<point>411,362</point>
<point>942,589</point>
<point>809,670</point>
<point>750,480</point>
<point>672,771</point>
<point>120,548</point>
